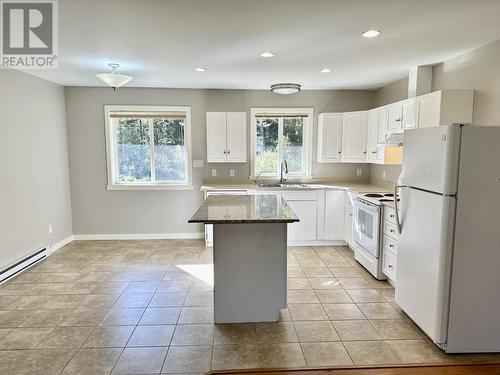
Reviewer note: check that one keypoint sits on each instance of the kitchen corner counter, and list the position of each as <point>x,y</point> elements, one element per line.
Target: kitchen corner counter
<point>240,209</point>
<point>316,185</point>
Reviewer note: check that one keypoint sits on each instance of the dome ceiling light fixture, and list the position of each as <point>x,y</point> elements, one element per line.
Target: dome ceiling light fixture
<point>114,79</point>
<point>285,88</point>
<point>371,33</point>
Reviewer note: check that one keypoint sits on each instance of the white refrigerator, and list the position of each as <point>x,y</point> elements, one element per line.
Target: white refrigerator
<point>448,259</point>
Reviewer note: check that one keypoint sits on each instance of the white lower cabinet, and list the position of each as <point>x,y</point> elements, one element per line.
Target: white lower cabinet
<point>349,218</point>
<point>306,228</point>
<point>325,215</point>
<point>389,264</point>
<point>390,244</point>
<point>305,206</point>
<point>334,215</point>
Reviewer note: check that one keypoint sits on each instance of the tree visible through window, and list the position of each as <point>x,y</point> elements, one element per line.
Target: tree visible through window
<point>277,139</point>
<point>149,147</point>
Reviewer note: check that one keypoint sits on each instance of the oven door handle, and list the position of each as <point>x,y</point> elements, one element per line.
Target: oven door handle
<point>369,207</point>
<point>396,190</point>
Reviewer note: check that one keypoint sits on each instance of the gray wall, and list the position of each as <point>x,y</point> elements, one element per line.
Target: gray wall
<point>480,70</point>
<point>98,211</point>
<point>34,175</point>
<point>391,93</point>
<point>477,69</point>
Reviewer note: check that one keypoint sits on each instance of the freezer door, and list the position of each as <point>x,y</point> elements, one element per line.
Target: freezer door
<point>430,158</point>
<point>423,260</point>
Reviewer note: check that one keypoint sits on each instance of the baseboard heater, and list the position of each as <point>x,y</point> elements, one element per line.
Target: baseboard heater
<point>22,265</point>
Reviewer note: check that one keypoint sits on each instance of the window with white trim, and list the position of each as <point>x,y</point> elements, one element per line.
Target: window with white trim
<point>280,134</point>
<point>148,146</point>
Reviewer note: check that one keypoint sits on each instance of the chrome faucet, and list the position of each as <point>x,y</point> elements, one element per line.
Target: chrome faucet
<point>283,169</point>
<point>257,178</point>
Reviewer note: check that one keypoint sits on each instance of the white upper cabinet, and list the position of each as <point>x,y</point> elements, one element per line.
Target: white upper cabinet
<point>382,123</point>
<point>236,137</point>
<point>354,136</point>
<point>377,130</point>
<point>226,137</point>
<point>445,107</point>
<point>329,137</point>
<point>216,137</point>
<point>395,117</point>
<point>401,116</point>
<point>409,120</point>
<point>372,135</point>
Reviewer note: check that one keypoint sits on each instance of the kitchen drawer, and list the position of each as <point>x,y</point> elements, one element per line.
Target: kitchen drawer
<point>390,243</point>
<point>391,230</point>
<point>389,264</point>
<point>390,214</point>
<point>299,195</point>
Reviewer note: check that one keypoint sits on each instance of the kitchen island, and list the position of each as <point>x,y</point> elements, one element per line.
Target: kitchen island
<point>250,255</point>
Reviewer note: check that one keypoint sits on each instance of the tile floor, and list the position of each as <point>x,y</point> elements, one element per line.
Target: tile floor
<point>145,307</point>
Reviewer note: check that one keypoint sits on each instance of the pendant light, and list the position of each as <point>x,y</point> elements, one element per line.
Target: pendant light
<point>285,88</point>
<point>114,79</point>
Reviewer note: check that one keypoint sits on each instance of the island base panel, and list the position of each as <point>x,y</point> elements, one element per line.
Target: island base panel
<point>249,272</point>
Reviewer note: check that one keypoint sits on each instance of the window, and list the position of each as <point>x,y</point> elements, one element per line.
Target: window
<point>148,147</point>
<point>281,134</point>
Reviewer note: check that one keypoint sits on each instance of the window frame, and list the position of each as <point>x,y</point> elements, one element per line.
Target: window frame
<point>110,130</point>
<point>307,140</point>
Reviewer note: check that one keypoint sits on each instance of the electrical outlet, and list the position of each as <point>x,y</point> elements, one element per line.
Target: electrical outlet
<point>214,172</point>
<point>384,174</point>
<point>51,229</point>
<point>359,172</point>
<point>231,172</point>
<point>197,163</point>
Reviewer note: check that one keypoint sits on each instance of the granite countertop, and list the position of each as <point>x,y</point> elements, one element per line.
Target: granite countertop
<point>358,187</point>
<point>227,209</point>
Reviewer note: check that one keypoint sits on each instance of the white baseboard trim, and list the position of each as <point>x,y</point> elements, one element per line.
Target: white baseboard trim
<point>56,246</point>
<point>138,236</point>
<point>316,243</point>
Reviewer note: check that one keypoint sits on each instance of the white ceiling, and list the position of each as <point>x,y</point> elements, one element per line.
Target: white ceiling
<point>160,42</point>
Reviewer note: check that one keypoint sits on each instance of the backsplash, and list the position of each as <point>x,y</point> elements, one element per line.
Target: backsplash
<point>325,171</point>
<point>392,173</point>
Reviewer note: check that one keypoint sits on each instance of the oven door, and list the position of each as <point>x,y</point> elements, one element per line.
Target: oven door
<point>367,226</point>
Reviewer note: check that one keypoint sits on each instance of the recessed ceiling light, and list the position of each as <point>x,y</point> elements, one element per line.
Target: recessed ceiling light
<point>326,70</point>
<point>266,54</point>
<point>200,69</point>
<point>371,33</point>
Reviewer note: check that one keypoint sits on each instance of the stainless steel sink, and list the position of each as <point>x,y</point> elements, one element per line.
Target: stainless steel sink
<point>284,186</point>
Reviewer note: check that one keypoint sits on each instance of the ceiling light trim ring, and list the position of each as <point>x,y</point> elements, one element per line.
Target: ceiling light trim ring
<point>285,88</point>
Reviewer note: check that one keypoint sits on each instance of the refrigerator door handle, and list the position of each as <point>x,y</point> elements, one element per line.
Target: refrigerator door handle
<point>396,195</point>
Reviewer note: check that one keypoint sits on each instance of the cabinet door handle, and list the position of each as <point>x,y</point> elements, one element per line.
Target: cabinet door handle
<point>391,246</point>
<point>374,152</point>
<point>391,216</point>
<point>228,151</point>
<point>391,266</point>
<point>225,152</point>
<point>364,152</point>
<point>340,152</point>
<point>391,230</point>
